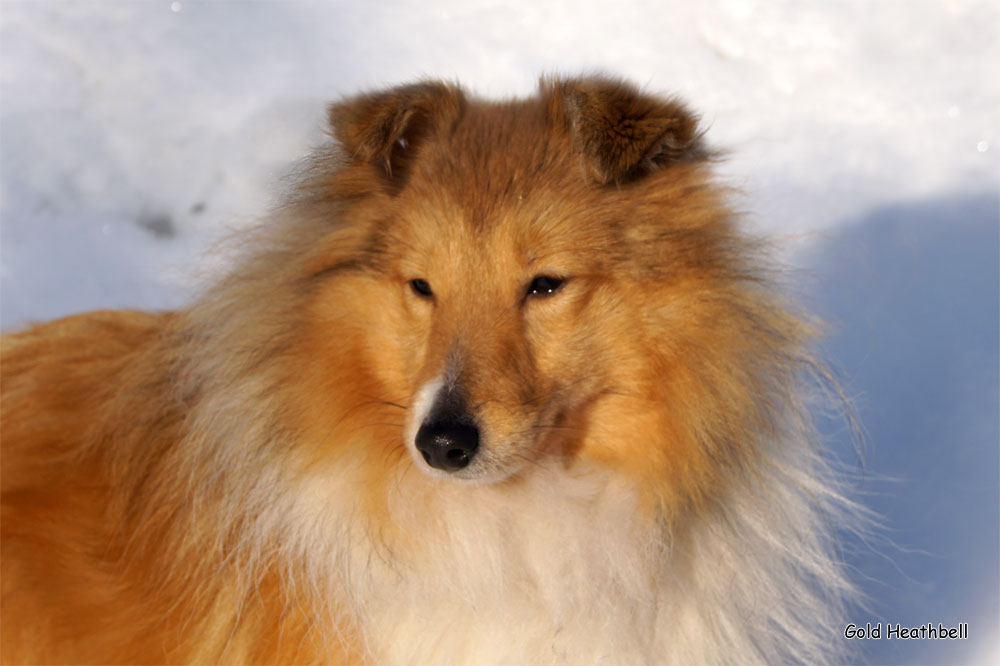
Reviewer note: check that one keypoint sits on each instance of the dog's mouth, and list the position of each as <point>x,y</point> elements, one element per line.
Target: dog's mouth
<point>454,444</point>
<point>460,450</point>
<point>447,439</point>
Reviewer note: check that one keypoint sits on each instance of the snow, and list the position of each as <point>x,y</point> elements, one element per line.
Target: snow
<point>134,134</point>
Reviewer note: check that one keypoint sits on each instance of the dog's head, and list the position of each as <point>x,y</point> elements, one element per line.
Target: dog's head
<point>533,278</point>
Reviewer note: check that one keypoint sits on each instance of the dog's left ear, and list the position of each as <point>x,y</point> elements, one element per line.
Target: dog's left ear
<point>623,133</point>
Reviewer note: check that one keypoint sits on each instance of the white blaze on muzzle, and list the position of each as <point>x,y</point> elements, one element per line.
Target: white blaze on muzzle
<point>420,409</point>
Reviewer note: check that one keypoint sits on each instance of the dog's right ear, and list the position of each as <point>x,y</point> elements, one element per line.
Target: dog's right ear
<point>385,128</point>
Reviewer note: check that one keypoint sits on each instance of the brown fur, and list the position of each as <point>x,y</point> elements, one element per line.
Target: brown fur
<point>134,445</point>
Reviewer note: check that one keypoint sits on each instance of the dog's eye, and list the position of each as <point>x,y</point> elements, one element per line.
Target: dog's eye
<point>421,288</point>
<point>544,285</point>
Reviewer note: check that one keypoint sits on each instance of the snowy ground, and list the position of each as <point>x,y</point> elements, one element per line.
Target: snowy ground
<point>134,133</point>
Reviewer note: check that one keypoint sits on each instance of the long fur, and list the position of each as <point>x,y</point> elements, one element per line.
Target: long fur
<point>235,482</point>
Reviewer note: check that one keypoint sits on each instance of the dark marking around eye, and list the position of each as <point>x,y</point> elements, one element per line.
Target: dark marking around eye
<point>421,288</point>
<point>545,285</point>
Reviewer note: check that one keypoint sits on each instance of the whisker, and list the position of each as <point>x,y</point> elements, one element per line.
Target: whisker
<point>529,460</point>
<point>376,399</point>
<point>531,400</point>
<point>489,400</point>
<point>361,405</point>
<point>623,394</point>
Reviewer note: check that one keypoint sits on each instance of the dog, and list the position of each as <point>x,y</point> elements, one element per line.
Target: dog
<point>500,382</point>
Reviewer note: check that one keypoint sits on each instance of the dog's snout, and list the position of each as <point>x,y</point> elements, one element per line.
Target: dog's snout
<point>448,445</point>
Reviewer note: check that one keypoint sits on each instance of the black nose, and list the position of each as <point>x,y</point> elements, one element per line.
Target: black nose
<point>448,445</point>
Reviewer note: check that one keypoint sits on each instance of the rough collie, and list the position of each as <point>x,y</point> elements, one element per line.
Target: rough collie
<point>499,383</point>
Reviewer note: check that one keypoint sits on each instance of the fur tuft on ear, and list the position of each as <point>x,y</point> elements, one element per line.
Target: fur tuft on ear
<point>623,133</point>
<point>385,128</point>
